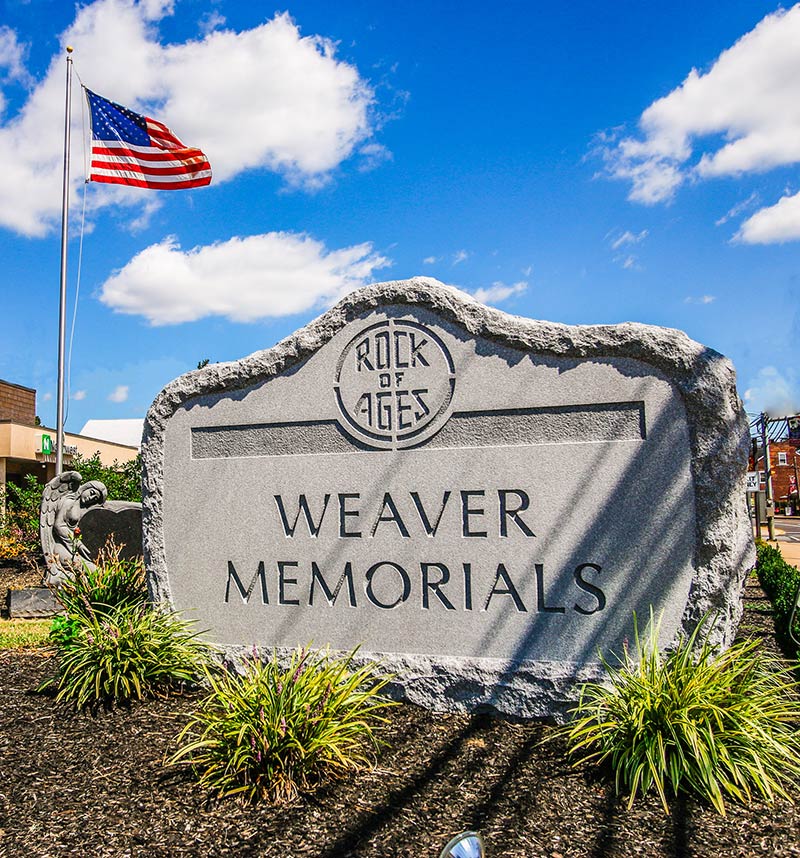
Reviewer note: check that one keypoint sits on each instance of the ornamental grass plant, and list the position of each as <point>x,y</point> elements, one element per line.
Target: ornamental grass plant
<point>111,582</point>
<point>272,731</point>
<point>112,646</point>
<point>720,725</point>
<point>125,652</point>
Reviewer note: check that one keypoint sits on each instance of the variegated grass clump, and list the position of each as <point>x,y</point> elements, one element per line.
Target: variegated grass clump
<point>273,730</point>
<point>126,652</point>
<point>111,645</point>
<point>110,582</point>
<point>720,725</point>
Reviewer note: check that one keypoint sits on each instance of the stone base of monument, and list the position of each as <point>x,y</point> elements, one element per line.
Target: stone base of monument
<point>32,603</point>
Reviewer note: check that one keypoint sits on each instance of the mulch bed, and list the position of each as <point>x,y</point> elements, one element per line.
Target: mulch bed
<point>83,784</point>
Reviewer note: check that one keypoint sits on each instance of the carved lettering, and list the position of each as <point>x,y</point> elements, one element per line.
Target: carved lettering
<point>468,511</point>
<point>394,516</point>
<point>345,513</point>
<point>318,578</point>
<point>540,603</point>
<point>508,590</point>
<point>435,586</point>
<point>405,580</point>
<point>590,588</point>
<point>260,575</point>
<point>302,507</point>
<point>507,512</point>
<point>430,529</point>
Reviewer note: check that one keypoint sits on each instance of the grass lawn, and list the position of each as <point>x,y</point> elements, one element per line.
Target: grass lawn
<point>23,634</point>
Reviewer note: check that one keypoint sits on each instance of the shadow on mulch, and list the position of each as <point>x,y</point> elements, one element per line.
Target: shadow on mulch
<point>81,784</point>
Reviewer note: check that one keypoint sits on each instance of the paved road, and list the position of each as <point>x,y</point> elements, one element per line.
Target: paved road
<point>790,527</point>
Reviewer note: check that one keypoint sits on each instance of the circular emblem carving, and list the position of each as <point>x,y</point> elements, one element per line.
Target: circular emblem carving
<point>394,384</point>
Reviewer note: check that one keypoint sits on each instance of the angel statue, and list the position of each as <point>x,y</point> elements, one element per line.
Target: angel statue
<point>64,503</point>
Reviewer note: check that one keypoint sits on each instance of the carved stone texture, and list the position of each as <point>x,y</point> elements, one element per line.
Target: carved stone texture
<point>75,520</point>
<point>481,501</point>
<point>32,603</point>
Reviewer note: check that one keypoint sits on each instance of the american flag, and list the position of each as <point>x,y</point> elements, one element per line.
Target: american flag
<point>131,149</point>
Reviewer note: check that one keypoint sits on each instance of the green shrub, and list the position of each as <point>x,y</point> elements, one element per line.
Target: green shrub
<point>781,582</point>
<point>112,582</point>
<point>123,481</point>
<point>272,731</point>
<point>115,654</point>
<point>19,523</point>
<point>721,725</point>
<point>63,630</point>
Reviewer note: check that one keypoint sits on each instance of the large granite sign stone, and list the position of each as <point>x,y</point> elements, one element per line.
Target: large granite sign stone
<point>481,500</point>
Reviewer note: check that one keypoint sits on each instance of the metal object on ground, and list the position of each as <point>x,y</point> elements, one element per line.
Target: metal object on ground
<point>466,845</point>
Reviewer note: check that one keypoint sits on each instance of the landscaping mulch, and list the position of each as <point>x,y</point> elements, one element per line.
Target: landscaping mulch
<point>76,783</point>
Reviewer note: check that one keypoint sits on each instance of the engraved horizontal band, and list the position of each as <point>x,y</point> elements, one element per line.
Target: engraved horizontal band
<point>562,424</point>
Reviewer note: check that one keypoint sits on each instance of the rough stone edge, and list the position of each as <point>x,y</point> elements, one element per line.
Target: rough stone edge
<point>724,550</point>
<point>524,689</point>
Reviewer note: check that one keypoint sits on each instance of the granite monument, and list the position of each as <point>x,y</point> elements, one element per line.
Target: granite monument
<point>480,500</point>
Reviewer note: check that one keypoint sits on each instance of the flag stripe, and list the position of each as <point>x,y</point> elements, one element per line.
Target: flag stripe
<point>129,165</point>
<point>118,177</point>
<point>145,153</point>
<point>130,149</point>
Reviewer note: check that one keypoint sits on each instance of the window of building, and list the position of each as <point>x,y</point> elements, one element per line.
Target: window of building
<point>782,459</point>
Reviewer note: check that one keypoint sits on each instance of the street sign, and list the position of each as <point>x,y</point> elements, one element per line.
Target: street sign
<point>753,480</point>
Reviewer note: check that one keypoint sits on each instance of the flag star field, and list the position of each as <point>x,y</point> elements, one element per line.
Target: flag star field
<point>580,163</point>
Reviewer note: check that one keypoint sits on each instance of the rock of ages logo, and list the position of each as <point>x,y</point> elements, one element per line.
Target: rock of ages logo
<point>394,384</point>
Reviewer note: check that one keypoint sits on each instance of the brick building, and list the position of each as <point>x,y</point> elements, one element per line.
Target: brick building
<point>784,458</point>
<point>26,448</point>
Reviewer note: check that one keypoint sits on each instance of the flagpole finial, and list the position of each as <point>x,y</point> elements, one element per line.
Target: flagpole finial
<point>69,49</point>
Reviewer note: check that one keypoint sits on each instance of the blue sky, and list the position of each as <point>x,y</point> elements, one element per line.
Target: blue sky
<point>581,163</point>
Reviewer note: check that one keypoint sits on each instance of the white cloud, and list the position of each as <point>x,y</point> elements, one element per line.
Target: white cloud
<point>772,392</point>
<point>79,395</point>
<point>459,256</point>
<point>243,279</point>
<point>498,292</point>
<point>212,21</point>
<point>119,393</point>
<point>430,260</point>
<point>527,270</point>
<point>372,156</point>
<point>744,111</point>
<point>700,299</point>
<point>12,58</point>
<point>628,237</point>
<point>773,224</point>
<point>736,210</point>
<point>47,397</point>
<point>264,98</point>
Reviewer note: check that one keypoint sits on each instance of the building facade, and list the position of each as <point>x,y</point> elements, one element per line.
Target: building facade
<point>784,459</point>
<point>27,448</point>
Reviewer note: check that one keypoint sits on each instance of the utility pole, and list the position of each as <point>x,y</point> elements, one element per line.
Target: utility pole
<point>796,499</point>
<point>768,477</point>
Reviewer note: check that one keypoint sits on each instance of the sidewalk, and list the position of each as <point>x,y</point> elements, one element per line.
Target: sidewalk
<point>790,551</point>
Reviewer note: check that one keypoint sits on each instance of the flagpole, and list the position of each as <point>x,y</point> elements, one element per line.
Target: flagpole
<point>62,304</point>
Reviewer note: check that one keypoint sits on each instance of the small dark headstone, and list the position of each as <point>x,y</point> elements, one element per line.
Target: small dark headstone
<point>31,603</point>
<point>116,520</point>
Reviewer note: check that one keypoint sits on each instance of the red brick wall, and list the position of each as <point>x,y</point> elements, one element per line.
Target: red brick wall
<point>17,403</point>
<point>781,473</point>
